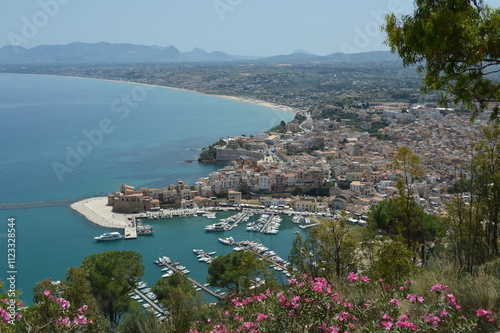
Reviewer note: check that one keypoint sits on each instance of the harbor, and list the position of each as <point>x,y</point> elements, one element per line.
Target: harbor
<point>143,297</point>
<point>175,269</point>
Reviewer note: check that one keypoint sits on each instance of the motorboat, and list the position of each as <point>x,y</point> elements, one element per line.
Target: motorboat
<point>109,236</point>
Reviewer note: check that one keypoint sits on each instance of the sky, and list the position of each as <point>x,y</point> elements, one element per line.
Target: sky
<point>238,27</point>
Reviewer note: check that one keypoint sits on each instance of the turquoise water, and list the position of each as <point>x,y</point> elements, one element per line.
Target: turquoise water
<point>68,138</point>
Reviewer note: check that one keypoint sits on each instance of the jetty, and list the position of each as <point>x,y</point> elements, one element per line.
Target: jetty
<point>196,283</point>
<point>261,256</point>
<point>264,227</point>
<point>35,204</point>
<point>150,302</point>
<point>303,226</point>
<point>238,220</point>
<point>130,232</point>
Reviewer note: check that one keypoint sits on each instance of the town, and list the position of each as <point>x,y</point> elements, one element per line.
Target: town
<point>325,165</point>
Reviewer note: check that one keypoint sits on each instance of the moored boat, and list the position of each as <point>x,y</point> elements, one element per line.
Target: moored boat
<point>109,236</point>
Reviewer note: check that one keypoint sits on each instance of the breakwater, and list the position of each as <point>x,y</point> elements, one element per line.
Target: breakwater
<point>33,204</point>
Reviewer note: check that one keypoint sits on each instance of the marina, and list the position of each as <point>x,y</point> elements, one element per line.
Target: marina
<point>158,309</point>
<point>194,282</point>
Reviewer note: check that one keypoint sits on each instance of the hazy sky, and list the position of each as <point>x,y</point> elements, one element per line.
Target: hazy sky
<point>242,27</point>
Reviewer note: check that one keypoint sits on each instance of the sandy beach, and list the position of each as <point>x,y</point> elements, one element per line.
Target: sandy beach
<point>241,99</point>
<point>96,211</point>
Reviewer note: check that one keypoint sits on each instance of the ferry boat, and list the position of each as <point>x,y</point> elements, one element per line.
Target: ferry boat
<point>109,236</point>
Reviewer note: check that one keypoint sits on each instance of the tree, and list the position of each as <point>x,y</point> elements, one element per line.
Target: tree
<point>393,263</point>
<point>328,251</point>
<point>181,300</point>
<point>75,289</point>
<point>474,219</point>
<point>456,43</point>
<point>136,320</point>
<point>407,223</point>
<point>112,276</point>
<point>235,271</point>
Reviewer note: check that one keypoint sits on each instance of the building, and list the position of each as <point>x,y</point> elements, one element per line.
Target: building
<point>234,197</point>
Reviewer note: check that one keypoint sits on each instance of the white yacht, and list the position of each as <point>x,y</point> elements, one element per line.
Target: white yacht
<point>109,236</point>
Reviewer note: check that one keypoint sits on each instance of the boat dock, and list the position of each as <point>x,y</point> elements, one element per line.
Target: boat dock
<point>303,226</point>
<point>264,227</point>
<point>150,302</point>
<point>194,282</point>
<point>241,218</point>
<point>130,232</point>
<point>261,256</point>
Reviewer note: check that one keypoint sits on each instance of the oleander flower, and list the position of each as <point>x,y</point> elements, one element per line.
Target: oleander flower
<point>438,287</point>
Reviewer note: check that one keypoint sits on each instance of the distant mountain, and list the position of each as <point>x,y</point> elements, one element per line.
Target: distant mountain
<point>303,52</point>
<point>301,57</point>
<point>130,53</point>
<point>106,53</point>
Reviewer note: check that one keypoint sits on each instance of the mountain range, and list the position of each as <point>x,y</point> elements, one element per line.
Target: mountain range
<point>131,53</point>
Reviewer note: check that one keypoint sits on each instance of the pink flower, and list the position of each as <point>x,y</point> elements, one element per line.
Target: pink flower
<point>365,279</point>
<point>4,315</point>
<point>262,316</point>
<point>485,314</point>
<point>482,312</point>
<point>387,325</point>
<point>444,314</point>
<point>352,277</point>
<point>438,287</point>
<point>386,317</point>
<point>395,302</point>
<point>249,325</point>
<point>63,322</point>
<point>80,320</point>
<point>46,293</point>
<point>64,304</point>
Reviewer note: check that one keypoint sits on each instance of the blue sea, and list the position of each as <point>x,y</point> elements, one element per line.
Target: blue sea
<point>69,138</point>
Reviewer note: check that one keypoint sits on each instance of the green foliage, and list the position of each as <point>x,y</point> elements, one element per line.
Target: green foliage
<point>406,221</point>
<point>177,294</point>
<point>136,320</point>
<point>236,271</point>
<point>474,225</point>
<point>280,128</point>
<point>76,289</point>
<point>456,44</point>
<point>328,250</point>
<point>323,191</point>
<point>112,276</point>
<point>393,263</point>
<point>344,184</point>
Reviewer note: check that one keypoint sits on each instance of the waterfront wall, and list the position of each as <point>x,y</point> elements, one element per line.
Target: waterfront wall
<point>236,154</point>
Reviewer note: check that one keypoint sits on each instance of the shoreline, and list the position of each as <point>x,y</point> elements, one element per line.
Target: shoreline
<point>235,98</point>
<point>97,212</point>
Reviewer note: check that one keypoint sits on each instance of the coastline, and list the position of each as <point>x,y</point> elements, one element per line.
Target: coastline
<point>99,213</point>
<point>235,98</point>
